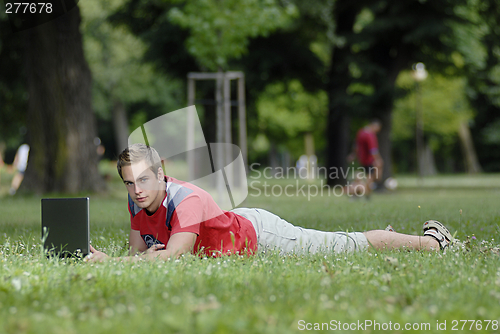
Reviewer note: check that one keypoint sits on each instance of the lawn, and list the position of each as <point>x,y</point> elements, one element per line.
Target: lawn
<point>267,293</point>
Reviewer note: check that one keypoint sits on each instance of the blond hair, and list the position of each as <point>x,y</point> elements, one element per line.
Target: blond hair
<point>136,153</point>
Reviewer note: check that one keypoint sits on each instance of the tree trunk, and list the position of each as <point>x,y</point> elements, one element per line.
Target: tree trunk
<point>338,142</point>
<point>385,81</point>
<point>427,163</point>
<point>385,144</point>
<point>273,157</point>
<point>120,125</point>
<point>337,131</point>
<point>470,157</point>
<point>61,123</point>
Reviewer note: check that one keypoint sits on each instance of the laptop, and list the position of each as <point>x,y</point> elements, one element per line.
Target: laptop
<point>65,226</point>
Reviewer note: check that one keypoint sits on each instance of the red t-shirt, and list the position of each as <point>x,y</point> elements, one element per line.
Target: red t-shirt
<point>367,146</point>
<point>187,208</point>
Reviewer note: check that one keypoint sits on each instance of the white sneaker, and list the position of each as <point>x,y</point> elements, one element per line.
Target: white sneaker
<point>438,231</point>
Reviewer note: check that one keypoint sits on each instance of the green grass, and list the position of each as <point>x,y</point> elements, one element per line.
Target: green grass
<point>267,293</point>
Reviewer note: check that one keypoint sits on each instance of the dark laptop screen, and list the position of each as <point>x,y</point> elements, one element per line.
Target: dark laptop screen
<point>65,226</point>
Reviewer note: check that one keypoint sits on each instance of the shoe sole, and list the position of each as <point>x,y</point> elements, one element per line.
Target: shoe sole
<point>439,227</point>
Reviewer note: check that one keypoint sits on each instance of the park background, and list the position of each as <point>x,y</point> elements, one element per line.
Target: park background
<point>313,69</point>
<point>316,69</point>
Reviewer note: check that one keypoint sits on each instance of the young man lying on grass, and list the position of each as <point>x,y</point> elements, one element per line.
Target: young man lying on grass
<point>170,217</point>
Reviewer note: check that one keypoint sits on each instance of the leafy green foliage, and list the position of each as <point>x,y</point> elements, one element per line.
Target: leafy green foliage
<point>220,29</point>
<point>291,109</point>
<point>115,56</point>
<point>13,95</point>
<point>484,78</point>
<point>286,111</point>
<point>492,133</point>
<point>281,55</point>
<point>444,106</point>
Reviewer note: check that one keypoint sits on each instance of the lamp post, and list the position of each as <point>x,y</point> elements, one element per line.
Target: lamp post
<point>419,74</point>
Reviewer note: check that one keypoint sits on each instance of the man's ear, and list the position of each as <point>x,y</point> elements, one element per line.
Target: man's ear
<point>160,174</point>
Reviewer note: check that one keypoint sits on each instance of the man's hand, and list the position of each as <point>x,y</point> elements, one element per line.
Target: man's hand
<point>155,248</point>
<point>96,256</point>
<point>179,243</point>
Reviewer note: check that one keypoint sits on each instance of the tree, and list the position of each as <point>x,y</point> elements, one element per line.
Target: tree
<point>286,112</point>
<point>13,97</point>
<point>220,30</point>
<point>379,39</point>
<point>121,78</point>
<point>445,111</point>
<point>345,13</point>
<point>481,64</point>
<point>60,119</point>
<point>281,55</point>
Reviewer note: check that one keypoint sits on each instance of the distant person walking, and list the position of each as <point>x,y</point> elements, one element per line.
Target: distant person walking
<point>367,153</point>
<point>20,163</point>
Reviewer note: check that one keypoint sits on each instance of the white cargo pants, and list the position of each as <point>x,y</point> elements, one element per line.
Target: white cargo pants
<point>276,233</point>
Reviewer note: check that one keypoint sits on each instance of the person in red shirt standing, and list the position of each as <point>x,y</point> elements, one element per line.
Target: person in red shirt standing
<point>367,153</point>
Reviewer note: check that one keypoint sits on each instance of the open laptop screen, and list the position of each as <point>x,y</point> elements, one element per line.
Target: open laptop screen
<point>65,226</point>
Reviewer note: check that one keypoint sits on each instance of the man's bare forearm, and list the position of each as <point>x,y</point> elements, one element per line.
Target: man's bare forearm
<point>164,255</point>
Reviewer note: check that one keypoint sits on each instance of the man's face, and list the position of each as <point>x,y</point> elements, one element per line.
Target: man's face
<point>143,185</point>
